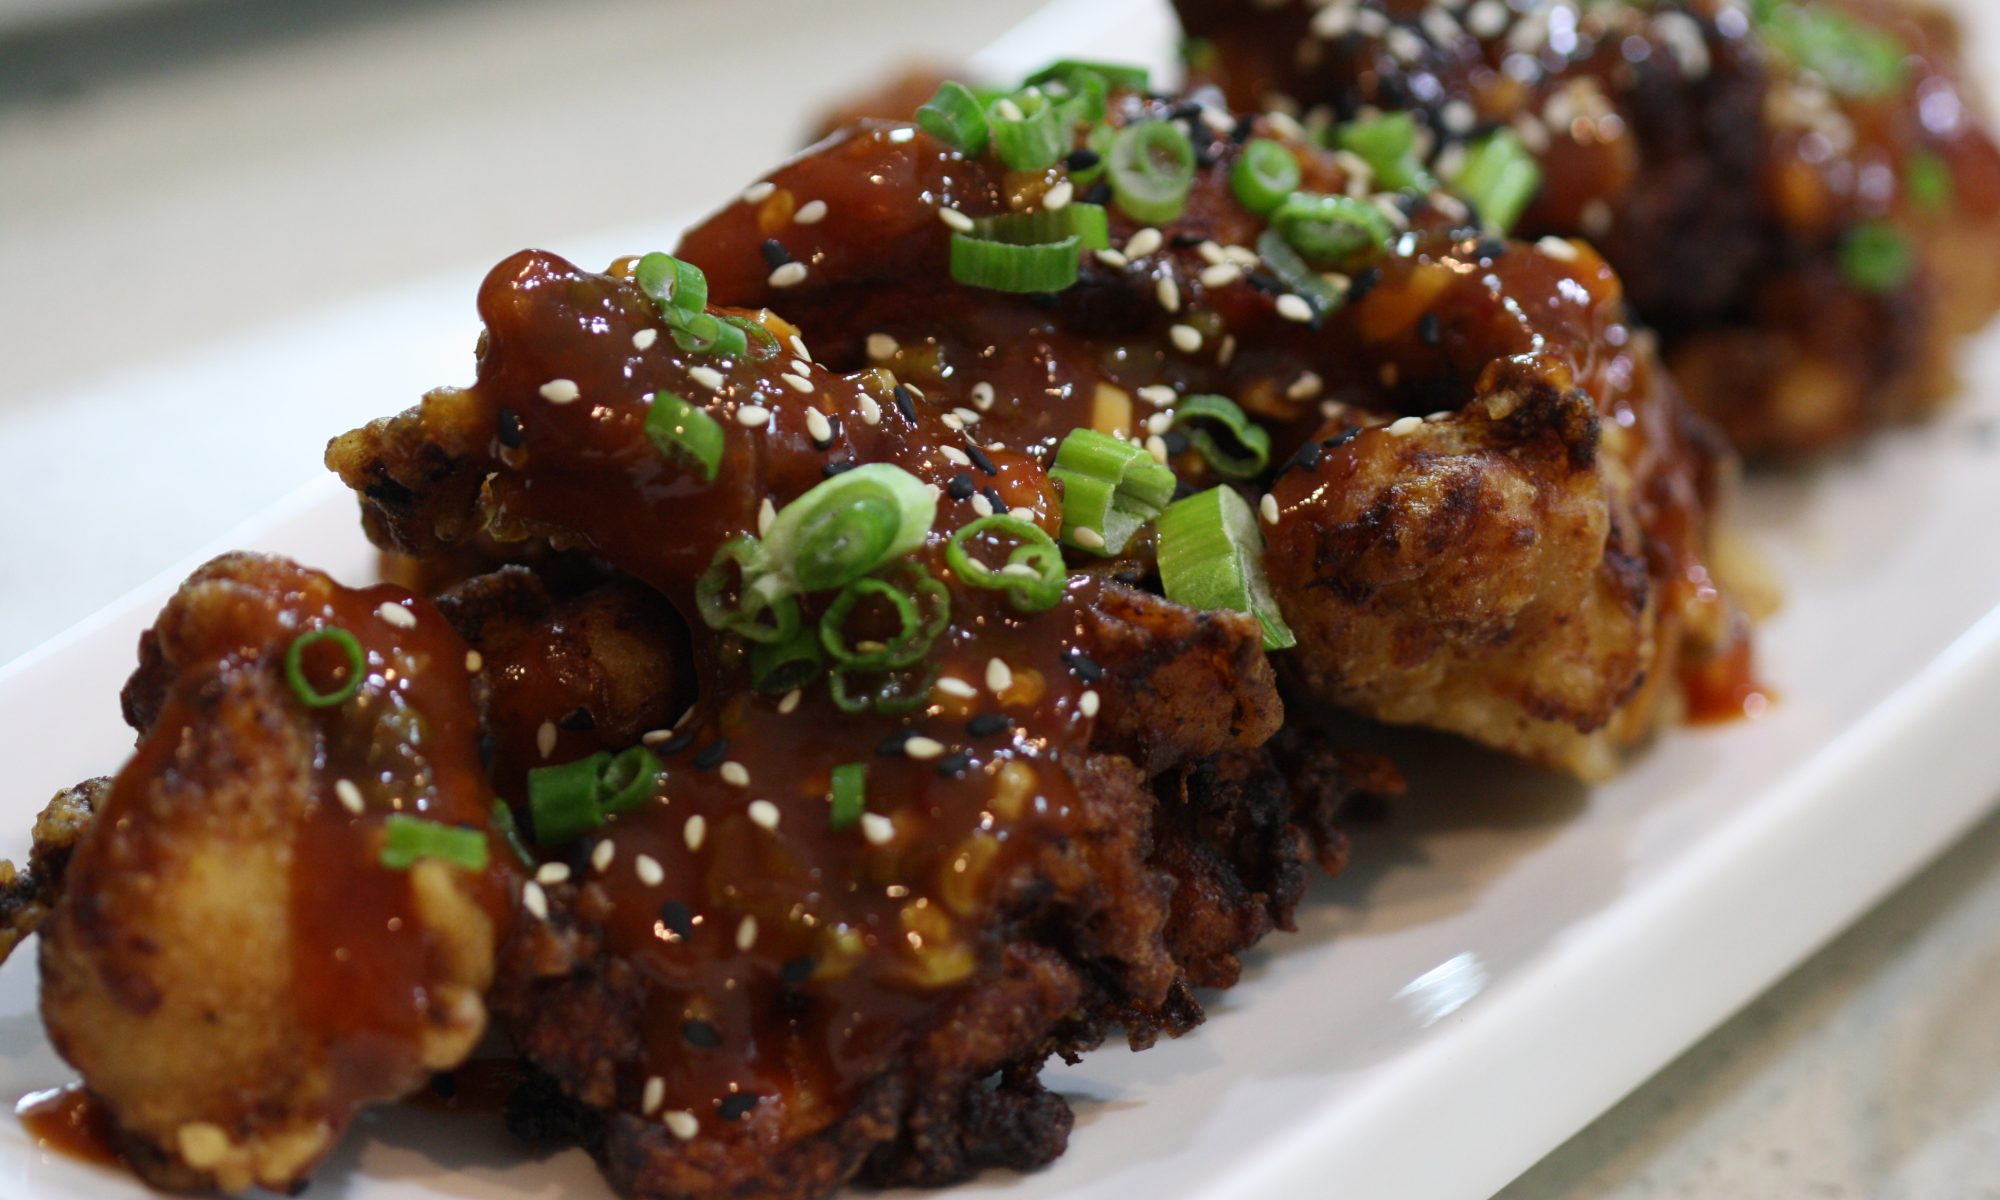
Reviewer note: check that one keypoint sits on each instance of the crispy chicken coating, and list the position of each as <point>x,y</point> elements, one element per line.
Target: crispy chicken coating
<point>1796,193</point>
<point>232,964</point>
<point>28,893</point>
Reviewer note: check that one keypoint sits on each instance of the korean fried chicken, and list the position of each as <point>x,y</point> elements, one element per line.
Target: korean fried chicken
<point>1489,508</point>
<point>1801,195</point>
<point>980,811</point>
<point>286,905</point>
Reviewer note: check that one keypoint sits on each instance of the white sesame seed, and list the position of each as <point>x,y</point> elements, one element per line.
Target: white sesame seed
<point>654,1096</point>
<point>1560,249</point>
<point>560,391</point>
<point>790,702</point>
<point>601,855</point>
<point>1157,447</point>
<point>952,685</point>
<point>1087,537</point>
<point>735,774</point>
<point>1159,395</point>
<point>796,382</point>
<point>764,814</point>
<point>921,747</point>
<point>757,193</point>
<point>1058,196</point>
<point>1459,116</point>
<point>1227,350</point>
<point>545,738</point>
<point>982,395</point>
<point>551,874</point>
<point>1487,19</point>
<point>954,455</point>
<point>644,339</point>
<point>1088,704</point>
<point>1242,256</point>
<point>1405,426</point>
<point>812,212</point>
<point>1112,258</point>
<point>956,219</point>
<point>349,795</point>
<point>648,869</point>
<point>818,426</point>
<point>1168,293</point>
<point>1010,110</point>
<point>1210,251</point>
<point>877,828</point>
<point>953,422</point>
<point>655,736</point>
<point>1220,275</point>
<point>682,1124</point>
<point>1293,307</point>
<point>694,832</point>
<point>1020,571</point>
<point>999,676</point>
<point>1442,414</point>
<point>881,345</point>
<point>789,274</point>
<point>707,377</point>
<point>753,415</point>
<point>1305,387</point>
<point>981,505</point>
<point>474,660</point>
<point>746,933</point>
<point>535,900</point>
<point>1268,506</point>
<point>1144,242</point>
<point>871,412</point>
<point>1160,422</point>
<point>1186,338</point>
<point>1022,513</point>
<point>767,513</point>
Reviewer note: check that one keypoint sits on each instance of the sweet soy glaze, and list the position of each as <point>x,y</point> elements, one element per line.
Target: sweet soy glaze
<point>71,1122</point>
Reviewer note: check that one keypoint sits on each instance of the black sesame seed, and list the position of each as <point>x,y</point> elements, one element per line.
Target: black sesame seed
<point>734,1108</point>
<point>796,971</point>
<point>675,744</point>
<point>1082,665</point>
<point>1364,283</point>
<point>1185,241</point>
<point>892,746</point>
<point>993,497</point>
<point>486,749</point>
<point>1491,248</point>
<point>1265,282</point>
<point>578,718</point>
<point>980,460</point>
<point>1339,440</point>
<point>1186,110</point>
<point>774,252</point>
<point>959,486</point>
<point>1305,460</point>
<point>676,917</point>
<point>1176,441</point>
<point>1430,329</point>
<point>1097,193</point>
<point>701,1034</point>
<point>1240,132</point>
<point>953,765</point>
<point>988,724</point>
<point>1082,159</point>
<point>1204,156</point>
<point>904,404</point>
<point>711,755</point>
<point>509,429</point>
<point>836,467</point>
<point>833,433</point>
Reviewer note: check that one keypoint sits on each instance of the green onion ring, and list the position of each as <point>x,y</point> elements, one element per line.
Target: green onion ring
<point>295,675</point>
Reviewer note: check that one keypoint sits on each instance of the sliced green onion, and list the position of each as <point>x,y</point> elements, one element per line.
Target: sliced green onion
<point>1500,177</point>
<point>682,431</point>
<point>1027,131</point>
<point>1111,488</point>
<point>955,117</point>
<point>901,649</point>
<point>849,525</point>
<point>1033,575</point>
<point>563,799</point>
<point>1388,144</point>
<point>1264,175</point>
<point>1083,98</point>
<point>1118,75</point>
<point>1212,557</point>
<point>1099,143</point>
<point>895,692</point>
<point>1332,231</point>
<point>777,667</point>
<point>672,283</point>
<point>1852,58</point>
<point>1252,452</point>
<point>847,795</point>
<point>1298,277</point>
<point>412,839</point>
<point>509,830</point>
<point>1031,251</point>
<point>295,674</point>
<point>741,592</point>
<point>1152,170</point>
<point>628,780</point>
<point>705,333</point>
<point>766,342</point>
<point>1927,178</point>
<point>1877,257</point>
<point>1088,223</point>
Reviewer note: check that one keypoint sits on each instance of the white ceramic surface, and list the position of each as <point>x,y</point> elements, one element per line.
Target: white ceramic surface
<point>1509,955</point>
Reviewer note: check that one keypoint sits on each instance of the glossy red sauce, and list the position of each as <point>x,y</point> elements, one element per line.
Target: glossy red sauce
<point>71,1122</point>
<point>1726,688</point>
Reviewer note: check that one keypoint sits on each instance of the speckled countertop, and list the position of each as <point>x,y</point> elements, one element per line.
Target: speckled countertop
<point>309,154</point>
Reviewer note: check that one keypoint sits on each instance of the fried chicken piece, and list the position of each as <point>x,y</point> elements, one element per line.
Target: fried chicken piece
<point>1529,572</point>
<point>238,961</point>
<point>740,992</point>
<point>28,893</point>
<point>1800,196</point>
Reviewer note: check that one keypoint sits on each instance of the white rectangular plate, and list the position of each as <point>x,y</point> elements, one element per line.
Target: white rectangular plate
<point>1509,953</point>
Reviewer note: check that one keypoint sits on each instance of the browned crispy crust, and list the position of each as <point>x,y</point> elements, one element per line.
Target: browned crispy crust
<point>28,893</point>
